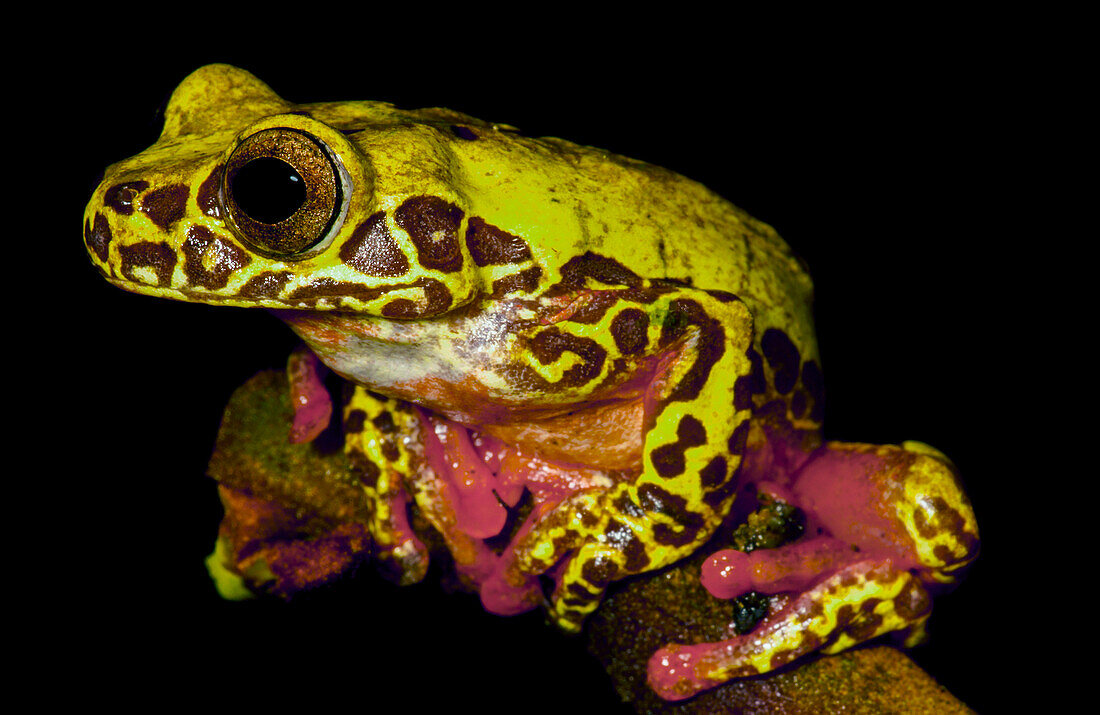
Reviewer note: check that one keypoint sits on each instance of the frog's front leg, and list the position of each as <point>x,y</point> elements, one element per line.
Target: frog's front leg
<point>378,433</point>
<point>694,435</point>
<point>884,525</point>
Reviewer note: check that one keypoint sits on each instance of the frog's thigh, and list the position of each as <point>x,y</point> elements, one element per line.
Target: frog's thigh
<point>911,492</point>
<point>690,456</point>
<point>374,428</point>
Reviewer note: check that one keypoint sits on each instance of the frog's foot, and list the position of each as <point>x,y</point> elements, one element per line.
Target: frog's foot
<point>377,435</point>
<point>861,600</point>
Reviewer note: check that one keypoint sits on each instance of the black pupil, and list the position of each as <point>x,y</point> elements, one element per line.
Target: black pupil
<point>268,189</point>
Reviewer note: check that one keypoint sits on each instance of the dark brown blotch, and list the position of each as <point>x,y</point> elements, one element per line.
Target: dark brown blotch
<point>866,624</point>
<point>268,284</point>
<point>668,459</point>
<point>166,205</point>
<point>599,572</point>
<point>148,254</point>
<point>384,423</point>
<point>97,236</point>
<point>783,358</point>
<point>432,223</point>
<point>365,467</point>
<point>576,272</point>
<point>683,313</point>
<point>526,281</point>
<point>742,393</point>
<point>714,474</point>
<point>355,421</point>
<point>492,246</point>
<point>224,258</point>
<point>120,197</point>
<point>437,299</point>
<point>913,601</point>
<point>628,544</point>
<point>739,438</point>
<point>799,403</point>
<point>371,250</point>
<point>814,383</point>
<point>629,329</point>
<point>655,499</point>
<point>207,196</point>
<point>549,345</point>
<point>759,382</point>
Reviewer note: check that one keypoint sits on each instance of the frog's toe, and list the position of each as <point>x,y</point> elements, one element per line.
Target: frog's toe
<point>583,582</point>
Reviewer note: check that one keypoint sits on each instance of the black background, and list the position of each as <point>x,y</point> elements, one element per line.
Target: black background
<point>880,157</point>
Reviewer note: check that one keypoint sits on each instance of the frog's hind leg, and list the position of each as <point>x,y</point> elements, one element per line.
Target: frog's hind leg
<point>857,602</point>
<point>889,525</point>
<point>692,446</point>
<point>377,434</point>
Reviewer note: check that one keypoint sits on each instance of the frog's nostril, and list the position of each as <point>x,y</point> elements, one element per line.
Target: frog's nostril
<point>120,197</point>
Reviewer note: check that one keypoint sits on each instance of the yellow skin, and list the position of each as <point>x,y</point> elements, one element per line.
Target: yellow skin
<point>621,326</point>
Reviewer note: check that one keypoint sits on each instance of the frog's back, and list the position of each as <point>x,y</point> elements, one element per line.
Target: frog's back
<point>568,200</point>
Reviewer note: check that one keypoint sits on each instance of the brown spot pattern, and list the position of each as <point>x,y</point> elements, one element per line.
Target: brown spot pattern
<point>714,474</point>
<point>739,438</point>
<point>599,572</point>
<point>814,383</point>
<point>207,196</point>
<point>913,601</point>
<point>783,358</point>
<point>97,236</point>
<point>491,246</point>
<point>742,392</point>
<point>436,295</point>
<point>759,383</point>
<point>371,250</point>
<point>717,498</point>
<point>165,205</point>
<point>384,423</point>
<point>268,284</point>
<point>367,470</point>
<point>548,346</point>
<point>576,271</point>
<point>655,499</point>
<point>120,197</point>
<point>204,247</point>
<point>525,281</point>
<point>629,329</point>
<point>867,623</point>
<point>628,544</point>
<point>148,254</point>
<point>355,421</point>
<point>432,224</point>
<point>668,459</point>
<point>712,345</point>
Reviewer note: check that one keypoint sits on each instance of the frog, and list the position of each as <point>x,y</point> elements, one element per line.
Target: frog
<point>569,364</point>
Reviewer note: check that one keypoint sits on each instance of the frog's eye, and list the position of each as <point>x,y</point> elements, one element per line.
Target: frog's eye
<point>283,192</point>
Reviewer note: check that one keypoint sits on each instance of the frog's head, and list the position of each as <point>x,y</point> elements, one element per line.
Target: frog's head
<point>248,200</point>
